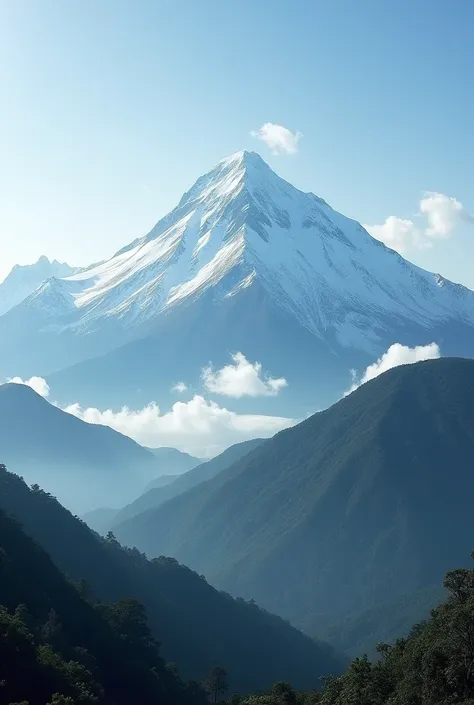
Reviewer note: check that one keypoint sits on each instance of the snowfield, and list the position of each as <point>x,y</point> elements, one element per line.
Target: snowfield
<point>239,225</point>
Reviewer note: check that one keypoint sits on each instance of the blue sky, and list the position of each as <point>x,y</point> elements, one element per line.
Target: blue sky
<point>111,109</point>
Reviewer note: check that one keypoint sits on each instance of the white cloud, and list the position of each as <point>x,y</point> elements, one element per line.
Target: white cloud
<point>242,379</point>
<point>397,233</point>
<point>199,426</point>
<point>179,388</point>
<point>280,139</point>
<point>396,355</point>
<point>442,213</point>
<point>39,384</point>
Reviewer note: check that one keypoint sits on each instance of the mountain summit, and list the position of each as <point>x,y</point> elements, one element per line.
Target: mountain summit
<point>236,224</point>
<point>242,224</point>
<point>244,262</point>
<point>24,279</point>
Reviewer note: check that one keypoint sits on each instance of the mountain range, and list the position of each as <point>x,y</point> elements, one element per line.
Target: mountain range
<point>83,464</point>
<point>244,263</point>
<point>165,487</point>
<point>197,626</point>
<point>158,493</point>
<point>320,523</point>
<point>175,461</point>
<point>23,280</point>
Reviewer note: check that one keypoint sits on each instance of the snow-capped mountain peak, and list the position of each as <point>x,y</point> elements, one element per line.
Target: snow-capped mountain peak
<point>24,279</point>
<point>242,226</point>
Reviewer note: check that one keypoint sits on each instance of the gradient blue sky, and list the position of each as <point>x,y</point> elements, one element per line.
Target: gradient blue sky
<point>110,109</point>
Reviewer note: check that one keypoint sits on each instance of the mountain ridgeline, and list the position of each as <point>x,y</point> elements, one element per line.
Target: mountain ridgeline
<point>156,496</point>
<point>78,461</point>
<point>166,487</point>
<point>172,464</point>
<point>365,502</point>
<point>197,626</point>
<point>173,461</point>
<point>245,262</point>
<point>59,648</point>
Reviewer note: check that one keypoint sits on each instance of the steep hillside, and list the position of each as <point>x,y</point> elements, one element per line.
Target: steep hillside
<point>433,664</point>
<point>377,487</point>
<point>197,626</point>
<point>84,464</point>
<point>54,642</point>
<point>206,471</point>
<point>360,632</point>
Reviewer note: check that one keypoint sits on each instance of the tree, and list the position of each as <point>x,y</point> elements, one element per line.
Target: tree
<point>284,693</point>
<point>85,590</point>
<point>59,699</point>
<point>111,538</point>
<point>216,683</point>
<point>52,631</point>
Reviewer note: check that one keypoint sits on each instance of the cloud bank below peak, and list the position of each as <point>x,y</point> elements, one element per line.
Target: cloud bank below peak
<point>198,426</point>
<point>204,428</point>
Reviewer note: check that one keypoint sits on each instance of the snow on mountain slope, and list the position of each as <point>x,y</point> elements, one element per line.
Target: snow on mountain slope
<point>23,280</point>
<point>240,225</point>
<point>244,263</point>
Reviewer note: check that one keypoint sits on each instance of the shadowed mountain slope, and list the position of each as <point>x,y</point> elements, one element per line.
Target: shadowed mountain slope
<point>198,626</point>
<point>377,487</point>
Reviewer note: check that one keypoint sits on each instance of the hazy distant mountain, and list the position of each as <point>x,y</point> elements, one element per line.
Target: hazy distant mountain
<point>161,481</point>
<point>155,496</point>
<point>197,626</point>
<point>172,462</point>
<point>85,465</point>
<point>24,279</point>
<point>245,262</point>
<point>354,506</point>
<point>169,459</point>
<point>100,519</point>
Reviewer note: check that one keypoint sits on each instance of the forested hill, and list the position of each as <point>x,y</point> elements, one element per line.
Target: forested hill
<point>197,626</point>
<point>364,502</point>
<point>433,665</point>
<point>55,647</point>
